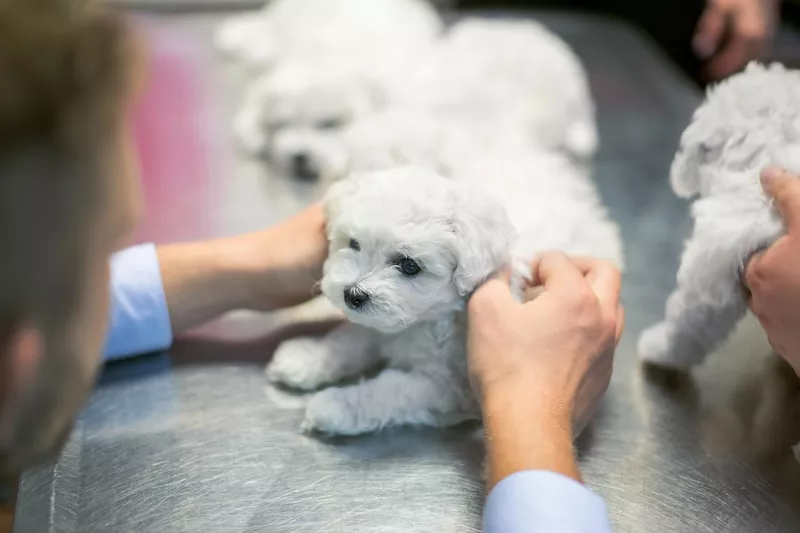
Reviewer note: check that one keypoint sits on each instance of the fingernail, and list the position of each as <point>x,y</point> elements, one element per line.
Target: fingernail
<point>769,174</point>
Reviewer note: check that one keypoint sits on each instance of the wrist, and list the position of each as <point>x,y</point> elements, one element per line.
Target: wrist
<point>526,430</point>
<point>248,265</point>
<point>265,276</point>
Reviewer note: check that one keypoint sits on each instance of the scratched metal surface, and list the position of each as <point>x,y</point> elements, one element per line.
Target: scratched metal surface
<point>196,441</point>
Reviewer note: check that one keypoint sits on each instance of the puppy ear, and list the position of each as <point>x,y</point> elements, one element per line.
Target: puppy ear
<point>335,197</point>
<point>368,95</point>
<point>701,143</point>
<point>332,202</point>
<point>482,241</point>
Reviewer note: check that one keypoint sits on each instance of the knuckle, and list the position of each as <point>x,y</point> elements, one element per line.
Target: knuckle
<point>582,298</point>
<point>752,32</point>
<point>609,325</point>
<point>755,275</point>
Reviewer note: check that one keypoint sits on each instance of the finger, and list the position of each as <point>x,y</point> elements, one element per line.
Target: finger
<point>751,266</point>
<point>784,189</point>
<point>708,36</point>
<point>745,44</point>
<point>582,263</point>
<point>620,321</point>
<point>557,272</point>
<point>604,278</point>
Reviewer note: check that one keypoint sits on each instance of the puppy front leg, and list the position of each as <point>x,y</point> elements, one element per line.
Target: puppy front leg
<point>701,313</point>
<point>392,398</point>
<point>307,363</point>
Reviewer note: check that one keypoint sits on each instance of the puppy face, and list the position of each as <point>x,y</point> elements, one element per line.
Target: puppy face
<point>378,141</point>
<point>407,245</point>
<point>298,99</point>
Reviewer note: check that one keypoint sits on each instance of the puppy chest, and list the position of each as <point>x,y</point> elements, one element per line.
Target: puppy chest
<point>440,344</point>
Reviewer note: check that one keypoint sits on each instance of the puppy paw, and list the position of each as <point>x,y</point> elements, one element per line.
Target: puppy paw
<point>655,348</point>
<point>299,364</point>
<point>335,411</point>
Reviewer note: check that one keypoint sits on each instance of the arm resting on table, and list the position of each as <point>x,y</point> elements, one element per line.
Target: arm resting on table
<point>537,501</point>
<point>139,318</point>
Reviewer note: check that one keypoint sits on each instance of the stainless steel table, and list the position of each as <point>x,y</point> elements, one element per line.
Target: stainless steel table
<point>195,440</point>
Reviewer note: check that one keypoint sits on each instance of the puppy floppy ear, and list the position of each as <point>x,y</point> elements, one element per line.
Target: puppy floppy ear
<point>701,143</point>
<point>335,197</point>
<point>482,242</point>
<point>332,202</point>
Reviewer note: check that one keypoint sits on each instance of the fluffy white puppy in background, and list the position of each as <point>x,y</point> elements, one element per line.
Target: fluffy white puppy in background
<point>492,69</point>
<point>334,64</point>
<point>498,81</point>
<point>747,123</point>
<point>407,247</point>
<point>389,138</point>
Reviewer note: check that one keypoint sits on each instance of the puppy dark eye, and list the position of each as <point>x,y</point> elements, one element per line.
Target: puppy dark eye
<point>354,245</point>
<point>330,124</point>
<point>409,267</point>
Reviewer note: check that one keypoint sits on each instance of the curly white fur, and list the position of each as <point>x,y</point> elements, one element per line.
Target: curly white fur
<point>458,231</point>
<point>497,77</point>
<point>322,63</point>
<point>303,29</point>
<point>748,122</point>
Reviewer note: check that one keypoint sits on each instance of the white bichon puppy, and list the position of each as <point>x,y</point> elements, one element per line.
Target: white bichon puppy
<point>331,69</point>
<point>383,140</point>
<point>747,123</point>
<point>407,247</point>
<point>498,81</point>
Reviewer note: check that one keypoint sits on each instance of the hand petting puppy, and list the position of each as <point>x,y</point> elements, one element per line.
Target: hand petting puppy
<point>540,368</point>
<point>773,275</point>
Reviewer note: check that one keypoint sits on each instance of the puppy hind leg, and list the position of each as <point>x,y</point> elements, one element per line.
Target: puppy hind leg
<point>700,314</point>
<point>307,363</point>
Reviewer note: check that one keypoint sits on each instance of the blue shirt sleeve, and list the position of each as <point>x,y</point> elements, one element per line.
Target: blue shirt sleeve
<point>536,501</point>
<point>139,319</point>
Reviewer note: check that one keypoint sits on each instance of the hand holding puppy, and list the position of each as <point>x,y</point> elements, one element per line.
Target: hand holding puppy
<point>773,275</point>
<point>540,368</point>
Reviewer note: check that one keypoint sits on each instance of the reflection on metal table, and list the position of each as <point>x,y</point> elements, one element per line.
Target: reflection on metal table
<point>197,441</point>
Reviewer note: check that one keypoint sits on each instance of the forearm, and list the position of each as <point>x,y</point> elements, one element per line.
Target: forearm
<point>203,280</point>
<point>524,433</point>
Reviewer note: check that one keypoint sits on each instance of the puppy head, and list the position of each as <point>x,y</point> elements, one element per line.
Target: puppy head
<point>378,141</point>
<point>309,154</point>
<point>746,122</point>
<point>299,96</point>
<point>407,245</point>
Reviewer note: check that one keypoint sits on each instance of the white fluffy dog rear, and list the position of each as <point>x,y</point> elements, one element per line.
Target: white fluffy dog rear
<point>747,123</point>
<point>498,81</point>
<point>407,247</point>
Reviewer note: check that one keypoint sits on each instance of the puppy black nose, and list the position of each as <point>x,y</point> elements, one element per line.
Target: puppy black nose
<point>302,167</point>
<point>355,298</point>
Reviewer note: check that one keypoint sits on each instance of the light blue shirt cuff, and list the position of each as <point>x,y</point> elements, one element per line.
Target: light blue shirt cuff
<point>536,501</point>
<point>139,318</point>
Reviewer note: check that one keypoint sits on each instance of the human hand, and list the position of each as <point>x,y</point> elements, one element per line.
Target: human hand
<point>555,352</point>
<point>731,33</point>
<point>284,262</point>
<point>773,275</point>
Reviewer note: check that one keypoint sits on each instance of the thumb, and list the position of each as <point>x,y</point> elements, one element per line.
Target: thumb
<point>784,189</point>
